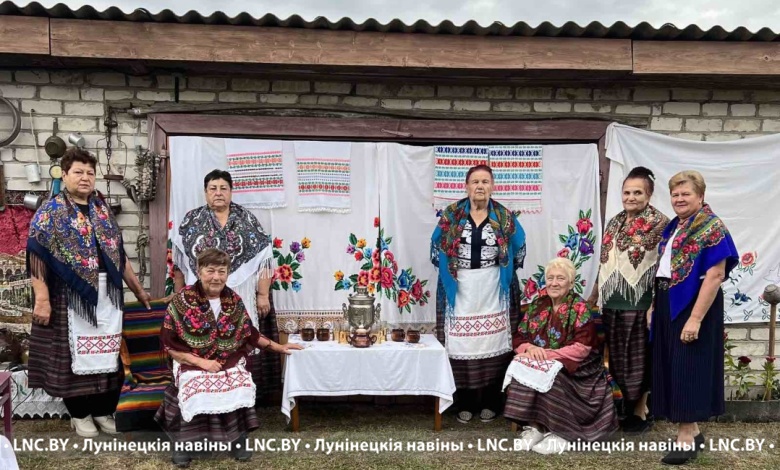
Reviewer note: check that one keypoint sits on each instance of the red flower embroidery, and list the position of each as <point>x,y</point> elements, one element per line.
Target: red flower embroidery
<point>403,298</point>
<point>584,226</point>
<point>387,278</point>
<point>278,242</point>
<point>417,290</point>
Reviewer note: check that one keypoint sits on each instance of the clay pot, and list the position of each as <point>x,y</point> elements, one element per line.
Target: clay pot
<point>307,334</point>
<point>323,334</point>
<point>413,336</point>
<point>397,334</point>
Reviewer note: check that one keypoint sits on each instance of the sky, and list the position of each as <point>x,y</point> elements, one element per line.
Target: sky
<point>730,14</point>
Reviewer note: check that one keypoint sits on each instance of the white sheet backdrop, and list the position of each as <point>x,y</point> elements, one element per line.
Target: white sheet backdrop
<point>404,178</point>
<point>742,189</point>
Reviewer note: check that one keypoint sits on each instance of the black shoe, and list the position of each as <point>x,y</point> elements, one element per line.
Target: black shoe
<point>239,451</point>
<point>181,459</point>
<point>699,441</point>
<point>636,425</point>
<point>679,457</point>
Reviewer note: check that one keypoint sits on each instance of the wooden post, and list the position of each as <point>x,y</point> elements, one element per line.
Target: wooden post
<point>436,416</point>
<point>771,295</point>
<point>294,418</point>
<point>514,427</point>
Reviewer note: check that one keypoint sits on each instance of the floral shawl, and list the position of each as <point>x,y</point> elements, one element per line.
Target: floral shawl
<point>189,326</point>
<point>701,242</point>
<point>629,254</point>
<point>571,323</point>
<point>63,244</point>
<point>446,239</point>
<point>242,237</point>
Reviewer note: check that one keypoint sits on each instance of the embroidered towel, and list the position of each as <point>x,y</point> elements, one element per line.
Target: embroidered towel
<point>538,375</point>
<point>96,350</point>
<point>211,393</point>
<point>517,171</point>
<point>452,164</point>
<point>323,170</point>
<point>256,168</point>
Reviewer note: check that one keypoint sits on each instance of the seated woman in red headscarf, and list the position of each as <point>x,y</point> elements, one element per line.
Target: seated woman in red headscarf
<point>556,384</point>
<point>208,335</point>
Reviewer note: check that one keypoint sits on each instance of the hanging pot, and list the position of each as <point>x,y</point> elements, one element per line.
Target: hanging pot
<point>32,201</point>
<point>55,147</point>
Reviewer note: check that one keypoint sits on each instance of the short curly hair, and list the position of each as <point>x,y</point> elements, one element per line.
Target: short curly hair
<point>75,154</point>
<point>565,265</point>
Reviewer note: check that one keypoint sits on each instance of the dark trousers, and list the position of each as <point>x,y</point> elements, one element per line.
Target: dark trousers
<point>476,400</point>
<point>99,404</point>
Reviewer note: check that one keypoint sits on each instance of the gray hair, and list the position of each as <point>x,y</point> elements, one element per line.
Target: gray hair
<point>565,265</point>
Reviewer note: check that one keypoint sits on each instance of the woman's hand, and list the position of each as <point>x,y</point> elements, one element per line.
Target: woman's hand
<point>41,312</point>
<point>649,317</point>
<point>263,305</point>
<point>145,298</point>
<point>210,366</point>
<point>287,348</point>
<point>521,355</point>
<point>536,353</point>
<point>690,331</point>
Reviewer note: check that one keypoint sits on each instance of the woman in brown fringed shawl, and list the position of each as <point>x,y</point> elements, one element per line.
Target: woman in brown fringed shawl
<point>209,337</point>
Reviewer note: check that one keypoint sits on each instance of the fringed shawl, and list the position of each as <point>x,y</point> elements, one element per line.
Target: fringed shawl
<point>629,254</point>
<point>63,245</point>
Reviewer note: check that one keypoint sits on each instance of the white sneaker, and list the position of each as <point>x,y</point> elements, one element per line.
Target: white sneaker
<point>487,415</point>
<point>106,424</point>
<point>530,436</point>
<point>551,444</point>
<point>84,427</point>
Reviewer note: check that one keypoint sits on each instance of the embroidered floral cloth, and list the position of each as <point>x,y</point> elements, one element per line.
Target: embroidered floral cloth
<point>324,175</point>
<point>517,173</point>
<point>452,164</point>
<point>538,375</point>
<point>256,168</point>
<point>629,254</point>
<point>202,392</point>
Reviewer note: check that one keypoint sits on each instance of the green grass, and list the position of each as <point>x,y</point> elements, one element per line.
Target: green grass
<point>401,423</point>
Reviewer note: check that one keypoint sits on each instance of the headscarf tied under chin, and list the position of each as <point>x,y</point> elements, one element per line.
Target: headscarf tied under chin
<point>63,244</point>
<point>446,240</point>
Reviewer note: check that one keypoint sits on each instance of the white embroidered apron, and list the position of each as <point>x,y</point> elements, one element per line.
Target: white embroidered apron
<point>96,350</point>
<point>479,327</point>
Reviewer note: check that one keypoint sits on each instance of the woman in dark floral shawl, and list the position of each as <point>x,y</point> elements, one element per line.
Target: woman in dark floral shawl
<point>208,336</point>
<point>233,229</point>
<point>697,255</point>
<point>579,405</point>
<point>77,262</point>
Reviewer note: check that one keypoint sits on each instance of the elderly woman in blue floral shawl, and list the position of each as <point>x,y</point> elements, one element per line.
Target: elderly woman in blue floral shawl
<point>477,247</point>
<point>697,254</point>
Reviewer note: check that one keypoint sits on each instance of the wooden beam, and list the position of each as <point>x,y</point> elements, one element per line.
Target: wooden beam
<point>706,58</point>
<point>158,216</point>
<point>297,46</point>
<point>399,130</point>
<point>24,35</point>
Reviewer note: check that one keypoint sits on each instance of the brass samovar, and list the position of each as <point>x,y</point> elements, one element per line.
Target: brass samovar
<point>361,313</point>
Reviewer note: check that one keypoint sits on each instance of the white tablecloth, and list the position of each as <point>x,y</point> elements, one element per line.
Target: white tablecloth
<point>33,402</point>
<point>331,369</point>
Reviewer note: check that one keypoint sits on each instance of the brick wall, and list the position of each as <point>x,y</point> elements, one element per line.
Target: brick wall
<point>80,100</point>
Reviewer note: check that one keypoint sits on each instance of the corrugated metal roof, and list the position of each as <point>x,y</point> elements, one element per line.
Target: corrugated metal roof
<point>619,30</point>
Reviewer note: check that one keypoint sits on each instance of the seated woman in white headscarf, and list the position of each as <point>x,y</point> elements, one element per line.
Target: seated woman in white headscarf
<point>208,336</point>
<point>559,334</point>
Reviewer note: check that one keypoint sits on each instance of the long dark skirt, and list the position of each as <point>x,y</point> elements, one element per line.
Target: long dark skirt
<point>266,367</point>
<point>629,351</point>
<point>225,427</point>
<point>687,378</point>
<point>475,374</point>
<point>578,406</point>
<point>50,359</point>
